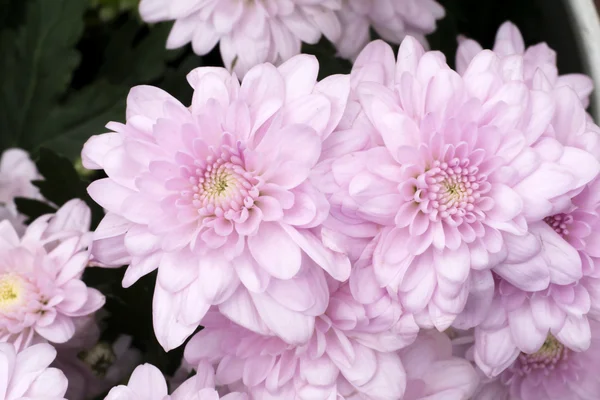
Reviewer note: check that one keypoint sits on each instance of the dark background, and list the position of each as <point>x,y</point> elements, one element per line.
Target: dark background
<point>538,20</point>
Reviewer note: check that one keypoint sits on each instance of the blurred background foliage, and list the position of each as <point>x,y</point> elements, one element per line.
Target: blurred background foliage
<point>67,66</point>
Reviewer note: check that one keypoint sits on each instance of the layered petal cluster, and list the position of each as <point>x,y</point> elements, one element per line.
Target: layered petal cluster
<point>217,197</point>
<point>533,312</point>
<point>517,320</point>
<point>148,383</point>
<point>580,227</point>
<point>553,372</point>
<point>332,237</point>
<point>433,373</point>
<point>451,169</point>
<point>509,42</point>
<point>41,292</point>
<point>25,374</point>
<point>16,173</point>
<point>249,32</point>
<point>392,20</point>
<point>351,355</point>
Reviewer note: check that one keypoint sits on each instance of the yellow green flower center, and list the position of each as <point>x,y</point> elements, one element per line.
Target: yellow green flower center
<point>547,357</point>
<point>11,291</point>
<point>99,358</point>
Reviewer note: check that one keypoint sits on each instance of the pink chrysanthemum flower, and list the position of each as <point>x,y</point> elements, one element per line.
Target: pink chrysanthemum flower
<point>41,291</point>
<point>519,322</point>
<point>510,320</point>
<point>217,194</point>
<point>391,19</point>
<point>582,230</point>
<point>148,383</point>
<point>16,173</point>
<point>579,225</point>
<point>454,166</point>
<point>433,372</point>
<point>509,41</point>
<point>250,32</point>
<point>571,125</point>
<point>25,374</point>
<point>526,265</point>
<point>553,372</point>
<point>352,354</point>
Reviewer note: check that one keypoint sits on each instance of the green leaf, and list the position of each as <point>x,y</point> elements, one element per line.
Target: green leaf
<point>38,59</point>
<point>46,102</point>
<point>134,55</point>
<point>13,13</point>
<point>110,9</point>
<point>83,114</point>
<point>62,183</point>
<point>174,81</point>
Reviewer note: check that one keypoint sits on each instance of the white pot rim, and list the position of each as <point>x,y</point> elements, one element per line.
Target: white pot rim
<point>587,31</point>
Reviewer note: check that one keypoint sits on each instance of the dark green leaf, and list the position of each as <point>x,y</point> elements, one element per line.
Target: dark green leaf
<point>109,9</point>
<point>83,114</point>
<point>175,82</point>
<point>37,62</point>
<point>136,53</point>
<point>62,182</point>
<point>13,13</point>
<point>42,106</point>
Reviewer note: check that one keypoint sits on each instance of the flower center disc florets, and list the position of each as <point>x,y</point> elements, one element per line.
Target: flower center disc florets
<point>451,191</point>
<point>219,184</point>
<point>12,291</point>
<point>546,359</point>
<point>99,358</point>
<point>560,223</point>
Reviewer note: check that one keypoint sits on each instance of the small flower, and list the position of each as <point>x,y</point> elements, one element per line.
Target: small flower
<point>148,383</point>
<point>432,371</point>
<point>25,374</point>
<point>217,197</point>
<point>351,355</point>
<point>509,42</point>
<point>392,20</point>
<point>553,372</point>
<point>92,366</point>
<point>249,32</point>
<point>41,292</point>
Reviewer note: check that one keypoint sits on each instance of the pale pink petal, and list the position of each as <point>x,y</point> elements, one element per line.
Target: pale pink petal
<point>170,333</point>
<point>494,351</point>
<point>275,251</point>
